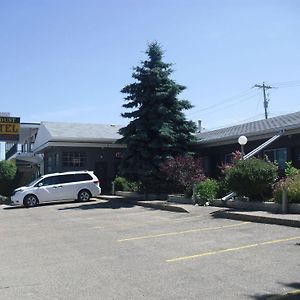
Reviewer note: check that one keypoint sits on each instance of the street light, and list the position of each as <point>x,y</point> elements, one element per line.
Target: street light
<point>242,141</point>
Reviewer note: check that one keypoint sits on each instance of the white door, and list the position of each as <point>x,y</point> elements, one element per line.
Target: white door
<point>50,189</point>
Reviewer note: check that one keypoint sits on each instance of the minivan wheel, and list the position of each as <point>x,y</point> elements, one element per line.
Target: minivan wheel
<point>30,201</point>
<point>84,195</point>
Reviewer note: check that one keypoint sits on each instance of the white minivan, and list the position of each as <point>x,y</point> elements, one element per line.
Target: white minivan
<point>77,185</point>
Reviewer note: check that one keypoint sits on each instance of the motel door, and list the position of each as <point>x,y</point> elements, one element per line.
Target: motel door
<point>101,173</point>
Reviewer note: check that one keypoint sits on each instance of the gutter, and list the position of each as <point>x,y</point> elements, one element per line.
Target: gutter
<point>252,136</point>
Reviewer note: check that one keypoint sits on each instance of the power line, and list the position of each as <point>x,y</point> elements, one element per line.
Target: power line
<point>288,86</point>
<point>287,83</point>
<point>245,96</point>
<point>223,102</point>
<point>230,105</point>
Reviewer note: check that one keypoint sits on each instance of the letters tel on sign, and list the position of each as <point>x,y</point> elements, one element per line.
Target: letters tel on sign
<point>9,129</point>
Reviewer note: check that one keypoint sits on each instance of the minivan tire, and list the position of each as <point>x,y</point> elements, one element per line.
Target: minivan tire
<point>84,195</point>
<point>30,201</point>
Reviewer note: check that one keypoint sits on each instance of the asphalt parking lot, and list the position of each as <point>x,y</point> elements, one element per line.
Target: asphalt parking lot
<point>113,250</point>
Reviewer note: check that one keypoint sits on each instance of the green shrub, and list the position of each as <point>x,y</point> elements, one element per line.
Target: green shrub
<point>122,184</point>
<point>8,171</point>
<point>252,178</point>
<point>223,189</point>
<point>133,186</point>
<point>206,190</point>
<point>291,171</point>
<point>292,184</point>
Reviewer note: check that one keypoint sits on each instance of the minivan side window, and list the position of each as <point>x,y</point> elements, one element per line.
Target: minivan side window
<point>50,180</point>
<point>83,177</point>
<point>66,178</point>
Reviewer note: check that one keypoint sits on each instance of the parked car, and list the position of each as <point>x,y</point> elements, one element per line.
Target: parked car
<point>77,185</point>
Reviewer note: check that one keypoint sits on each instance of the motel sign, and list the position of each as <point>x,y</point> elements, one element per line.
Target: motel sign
<point>9,128</point>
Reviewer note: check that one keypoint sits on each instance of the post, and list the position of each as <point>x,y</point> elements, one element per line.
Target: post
<point>264,87</point>
<point>113,188</point>
<point>242,152</point>
<point>284,201</point>
<point>265,101</point>
<point>242,140</point>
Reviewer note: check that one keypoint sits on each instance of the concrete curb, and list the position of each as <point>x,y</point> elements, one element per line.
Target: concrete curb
<point>256,218</point>
<point>159,205</point>
<point>252,216</point>
<point>162,205</point>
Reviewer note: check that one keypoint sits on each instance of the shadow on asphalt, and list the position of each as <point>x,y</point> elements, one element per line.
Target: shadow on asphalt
<point>294,294</point>
<point>48,204</point>
<point>13,207</point>
<point>218,214</point>
<point>109,204</point>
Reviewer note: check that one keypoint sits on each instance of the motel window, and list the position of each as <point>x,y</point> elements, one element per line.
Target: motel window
<point>56,161</point>
<point>50,170</point>
<point>74,159</point>
<point>277,155</point>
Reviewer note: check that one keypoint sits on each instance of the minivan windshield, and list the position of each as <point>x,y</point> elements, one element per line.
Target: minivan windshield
<point>34,181</point>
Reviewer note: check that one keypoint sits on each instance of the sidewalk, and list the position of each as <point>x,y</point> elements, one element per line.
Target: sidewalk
<point>292,220</point>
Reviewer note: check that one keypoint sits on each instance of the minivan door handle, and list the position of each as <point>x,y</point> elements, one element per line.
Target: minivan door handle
<point>57,186</point>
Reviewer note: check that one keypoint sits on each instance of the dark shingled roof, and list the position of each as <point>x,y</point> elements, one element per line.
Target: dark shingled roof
<point>256,128</point>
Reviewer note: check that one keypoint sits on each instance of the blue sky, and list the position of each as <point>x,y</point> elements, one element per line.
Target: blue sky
<point>67,60</point>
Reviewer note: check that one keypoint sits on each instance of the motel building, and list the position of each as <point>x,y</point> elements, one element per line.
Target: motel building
<point>49,147</point>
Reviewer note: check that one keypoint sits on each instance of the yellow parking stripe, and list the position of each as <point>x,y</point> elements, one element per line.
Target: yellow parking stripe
<point>232,249</point>
<point>181,232</point>
<point>285,296</point>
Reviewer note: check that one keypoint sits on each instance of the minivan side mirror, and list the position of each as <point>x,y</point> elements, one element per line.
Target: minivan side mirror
<point>40,184</point>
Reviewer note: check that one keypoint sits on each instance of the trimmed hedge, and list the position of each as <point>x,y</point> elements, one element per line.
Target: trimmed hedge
<point>252,178</point>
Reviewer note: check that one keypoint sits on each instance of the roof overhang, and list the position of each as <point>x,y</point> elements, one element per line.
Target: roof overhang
<point>83,144</point>
<point>27,156</point>
<point>262,135</point>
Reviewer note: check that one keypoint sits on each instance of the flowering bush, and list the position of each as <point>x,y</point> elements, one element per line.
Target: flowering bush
<point>237,155</point>
<point>183,171</point>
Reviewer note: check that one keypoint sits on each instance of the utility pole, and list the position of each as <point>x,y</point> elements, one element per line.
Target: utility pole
<point>266,100</point>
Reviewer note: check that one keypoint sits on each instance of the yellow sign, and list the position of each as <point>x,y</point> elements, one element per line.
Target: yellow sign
<point>9,128</point>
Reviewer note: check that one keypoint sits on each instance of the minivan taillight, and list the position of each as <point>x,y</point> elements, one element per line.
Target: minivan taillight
<point>96,181</point>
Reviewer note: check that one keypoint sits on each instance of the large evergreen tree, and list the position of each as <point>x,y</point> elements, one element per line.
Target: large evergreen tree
<point>158,128</point>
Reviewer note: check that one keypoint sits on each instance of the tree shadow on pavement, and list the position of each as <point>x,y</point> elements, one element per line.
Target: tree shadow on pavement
<point>46,204</point>
<point>104,204</point>
<point>294,293</point>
